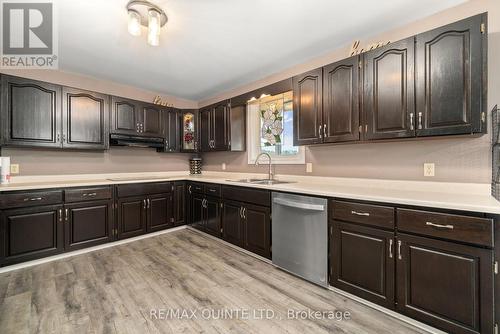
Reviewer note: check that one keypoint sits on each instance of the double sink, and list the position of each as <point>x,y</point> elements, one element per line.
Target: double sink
<point>260,181</point>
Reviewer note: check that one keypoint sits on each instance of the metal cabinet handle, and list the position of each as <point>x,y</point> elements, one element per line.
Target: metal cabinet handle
<point>241,212</point>
<point>149,203</point>
<point>324,130</point>
<point>366,214</point>
<point>58,137</point>
<point>212,190</point>
<point>64,137</point>
<point>143,203</point>
<point>32,199</point>
<point>450,227</point>
<point>60,215</point>
<point>399,250</point>
<point>244,213</point>
<point>419,120</point>
<point>66,215</point>
<point>189,189</point>
<point>89,194</point>
<point>411,121</point>
<point>390,248</point>
<point>319,131</point>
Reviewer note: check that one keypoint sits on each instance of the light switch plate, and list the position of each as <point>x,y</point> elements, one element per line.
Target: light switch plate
<point>14,168</point>
<point>309,167</point>
<point>429,169</point>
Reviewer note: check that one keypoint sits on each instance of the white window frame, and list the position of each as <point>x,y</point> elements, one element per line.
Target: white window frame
<point>253,141</point>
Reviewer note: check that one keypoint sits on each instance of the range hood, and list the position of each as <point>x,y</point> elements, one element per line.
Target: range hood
<point>135,141</point>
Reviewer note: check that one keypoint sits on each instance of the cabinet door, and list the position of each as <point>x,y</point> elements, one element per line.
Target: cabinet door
<point>389,99</point>
<point>198,211</point>
<point>124,116</point>
<point>131,217</point>
<point>220,126</point>
<point>232,222</point>
<point>362,262</point>
<point>308,108</point>
<point>85,119</point>
<point>189,140</point>
<point>445,284</point>
<point>205,129</point>
<point>179,203</point>
<point>30,113</point>
<point>152,118</point>
<point>451,77</point>
<point>160,212</point>
<point>31,233</point>
<point>213,217</point>
<point>87,224</point>
<point>341,101</point>
<point>257,229</point>
<point>172,128</point>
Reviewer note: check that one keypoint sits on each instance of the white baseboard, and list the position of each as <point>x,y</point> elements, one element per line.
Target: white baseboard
<point>85,250</point>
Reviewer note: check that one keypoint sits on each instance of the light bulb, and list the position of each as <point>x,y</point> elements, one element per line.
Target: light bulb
<point>153,27</point>
<point>134,23</point>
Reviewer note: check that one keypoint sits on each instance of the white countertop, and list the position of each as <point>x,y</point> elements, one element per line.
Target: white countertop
<point>444,195</point>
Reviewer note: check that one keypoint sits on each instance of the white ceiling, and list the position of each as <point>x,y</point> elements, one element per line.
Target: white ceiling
<point>209,46</point>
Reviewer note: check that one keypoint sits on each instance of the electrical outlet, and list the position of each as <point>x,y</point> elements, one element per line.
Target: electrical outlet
<point>14,168</point>
<point>429,169</point>
<point>309,167</point>
<point>223,166</point>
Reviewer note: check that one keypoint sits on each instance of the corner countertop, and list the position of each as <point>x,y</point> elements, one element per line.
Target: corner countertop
<point>444,195</point>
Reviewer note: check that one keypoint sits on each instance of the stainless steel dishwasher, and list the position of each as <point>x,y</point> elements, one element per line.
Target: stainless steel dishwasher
<point>300,236</point>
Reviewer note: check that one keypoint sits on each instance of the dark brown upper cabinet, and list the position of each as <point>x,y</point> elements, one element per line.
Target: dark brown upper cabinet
<point>85,119</point>
<point>308,108</point>
<point>172,119</point>
<point>152,120</point>
<point>389,101</point>
<point>129,117</point>
<point>222,128</point>
<point>189,131</point>
<point>451,78</point>
<point>30,113</point>
<point>341,101</point>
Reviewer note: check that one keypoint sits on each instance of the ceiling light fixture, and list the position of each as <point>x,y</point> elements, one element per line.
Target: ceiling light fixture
<point>144,13</point>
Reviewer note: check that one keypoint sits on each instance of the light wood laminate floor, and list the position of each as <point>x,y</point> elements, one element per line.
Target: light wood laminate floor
<point>113,290</point>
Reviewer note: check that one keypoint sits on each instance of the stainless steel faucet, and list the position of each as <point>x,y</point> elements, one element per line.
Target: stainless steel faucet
<point>271,174</point>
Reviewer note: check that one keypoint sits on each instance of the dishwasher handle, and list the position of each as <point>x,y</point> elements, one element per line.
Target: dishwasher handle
<point>299,205</point>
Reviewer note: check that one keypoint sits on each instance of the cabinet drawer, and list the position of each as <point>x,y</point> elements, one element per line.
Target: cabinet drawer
<point>87,194</point>
<point>141,189</point>
<point>247,195</point>
<point>212,189</point>
<point>195,188</point>
<point>447,226</point>
<point>374,215</point>
<point>14,200</point>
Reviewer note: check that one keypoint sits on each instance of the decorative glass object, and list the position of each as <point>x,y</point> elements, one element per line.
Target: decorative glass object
<point>188,132</point>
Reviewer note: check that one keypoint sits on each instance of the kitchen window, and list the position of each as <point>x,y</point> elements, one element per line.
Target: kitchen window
<point>270,129</point>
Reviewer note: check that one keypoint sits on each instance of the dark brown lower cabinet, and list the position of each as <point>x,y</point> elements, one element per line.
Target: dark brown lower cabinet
<point>87,224</point>
<point>212,216</point>
<point>159,212</point>
<point>257,229</point>
<point>232,225</point>
<point>131,217</point>
<point>362,260</point>
<point>179,205</point>
<point>445,284</point>
<point>31,233</point>
<point>248,226</point>
<point>206,214</point>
